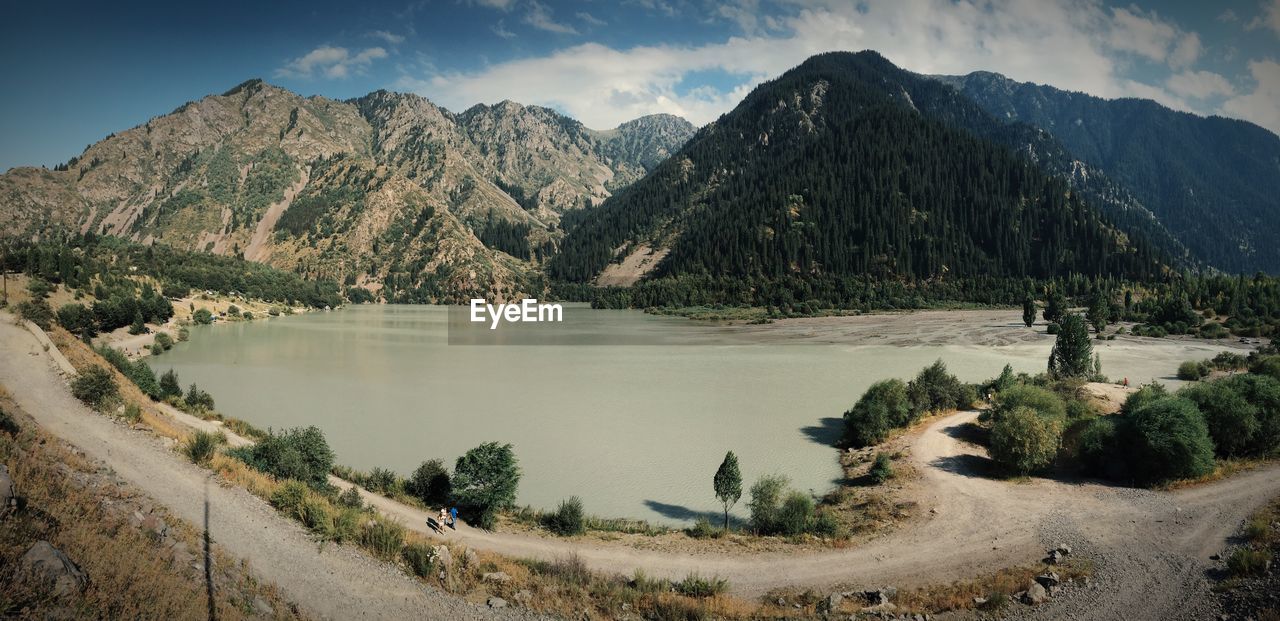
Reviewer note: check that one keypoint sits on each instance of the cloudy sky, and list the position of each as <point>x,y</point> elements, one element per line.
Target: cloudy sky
<point>78,71</point>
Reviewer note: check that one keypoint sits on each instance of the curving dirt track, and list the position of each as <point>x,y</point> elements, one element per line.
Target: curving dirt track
<point>1151,547</point>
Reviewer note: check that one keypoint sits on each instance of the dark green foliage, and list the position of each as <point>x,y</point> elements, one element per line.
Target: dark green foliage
<point>511,238</point>
<point>430,483</point>
<point>1247,562</point>
<point>1098,452</point>
<point>1192,370</point>
<point>382,481</point>
<point>300,453</point>
<point>1267,365</point>
<point>1055,306</point>
<point>1232,421</point>
<point>568,519</point>
<point>935,390</point>
<point>795,514</point>
<point>7,424</point>
<point>202,316</point>
<point>883,407</point>
<point>39,288</point>
<point>727,484</point>
<point>138,326</point>
<point>766,497</point>
<point>95,386</point>
<point>877,188</point>
<point>881,469</point>
<point>696,586</point>
<point>485,480</point>
<point>78,320</point>
<point>421,559</point>
<point>1072,354</point>
<point>1098,313</point>
<point>350,498</point>
<point>1144,395</point>
<point>1263,393</point>
<point>1166,439</point>
<point>197,399</point>
<point>1043,402</point>
<point>36,311</point>
<point>1023,441</point>
<point>169,386</point>
<point>1028,311</point>
<point>201,446</point>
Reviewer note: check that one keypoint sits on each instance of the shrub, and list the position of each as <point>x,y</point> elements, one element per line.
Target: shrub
<point>201,446</point>
<point>143,377</point>
<point>1267,365</point>
<point>78,319</point>
<point>382,481</point>
<point>164,340</point>
<point>132,412</point>
<point>696,586</point>
<point>702,529</point>
<point>882,407</point>
<point>169,386</point>
<point>1232,421</point>
<point>485,480</point>
<point>421,559</point>
<point>881,469</point>
<point>156,349</point>
<point>202,316</point>
<point>350,497</point>
<point>567,519</point>
<point>1097,452</point>
<point>197,399</point>
<point>1144,395</point>
<point>382,537</point>
<point>1166,439</point>
<point>1044,402</point>
<point>248,316</point>
<point>233,311</point>
<point>1192,370</point>
<point>1024,441</point>
<point>934,389</point>
<point>1263,393</point>
<point>1214,330</point>
<point>766,496</point>
<point>1247,562</point>
<point>288,498</point>
<point>796,514</point>
<point>300,453</point>
<point>430,483</point>
<point>346,524</point>
<point>1053,328</point>
<point>36,311</point>
<point>95,386</point>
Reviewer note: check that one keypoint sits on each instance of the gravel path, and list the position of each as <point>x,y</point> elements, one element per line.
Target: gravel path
<point>336,582</point>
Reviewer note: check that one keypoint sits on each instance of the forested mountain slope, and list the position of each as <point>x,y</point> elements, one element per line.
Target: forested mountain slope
<point>1213,182</point>
<point>849,166</point>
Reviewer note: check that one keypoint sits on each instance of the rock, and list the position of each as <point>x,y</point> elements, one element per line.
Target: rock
<point>8,497</point>
<point>469,557</point>
<point>262,608</point>
<point>523,596</point>
<point>1055,557</point>
<point>180,555</point>
<point>831,603</point>
<point>781,603</point>
<point>879,596</point>
<point>978,601</point>
<point>496,576</point>
<point>1063,549</point>
<point>444,558</point>
<point>43,559</point>
<point>497,602</point>
<point>1035,595</point>
<point>1048,579</point>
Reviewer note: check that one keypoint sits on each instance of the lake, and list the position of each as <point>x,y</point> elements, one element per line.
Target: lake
<point>635,430</point>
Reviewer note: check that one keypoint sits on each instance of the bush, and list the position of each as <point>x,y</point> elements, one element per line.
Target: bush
<point>796,514</point>
<point>1024,441</point>
<point>198,400</point>
<point>1191,370</point>
<point>36,311</point>
<point>1044,402</point>
<point>233,311</point>
<point>1097,452</point>
<point>1263,393</point>
<point>164,340</point>
<point>202,316</point>
<point>1214,330</point>
<point>1144,395</point>
<point>350,498</point>
<point>421,559</point>
<point>156,349</point>
<point>132,412</point>
<point>485,480</point>
<point>1166,439</point>
<point>766,496</point>
<point>702,529</point>
<point>698,587</point>
<point>934,389</point>
<point>430,483</point>
<point>382,537</point>
<point>881,469</point>
<point>1053,328</point>
<point>169,386</point>
<point>382,481</point>
<point>882,407</point>
<point>1267,365</point>
<point>95,386</point>
<point>300,453</point>
<point>1247,562</point>
<point>288,498</point>
<point>201,446</point>
<point>78,319</point>
<point>568,519</point>
<point>1232,421</point>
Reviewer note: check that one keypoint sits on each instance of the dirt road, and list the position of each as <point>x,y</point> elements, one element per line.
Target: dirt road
<point>335,582</point>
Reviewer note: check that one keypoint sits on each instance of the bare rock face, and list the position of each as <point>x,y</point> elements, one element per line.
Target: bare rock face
<point>44,560</point>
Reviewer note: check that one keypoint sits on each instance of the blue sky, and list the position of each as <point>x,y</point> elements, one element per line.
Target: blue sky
<point>78,71</point>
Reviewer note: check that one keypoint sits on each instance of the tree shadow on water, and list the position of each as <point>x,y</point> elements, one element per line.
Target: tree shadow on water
<point>681,512</point>
<point>827,432</point>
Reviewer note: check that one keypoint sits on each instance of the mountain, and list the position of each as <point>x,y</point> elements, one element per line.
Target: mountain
<point>1213,182</point>
<point>388,191</point>
<point>849,166</point>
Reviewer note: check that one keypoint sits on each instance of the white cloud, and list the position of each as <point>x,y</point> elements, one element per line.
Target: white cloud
<point>500,29</point>
<point>539,16</point>
<point>330,62</point>
<point>1270,17</point>
<point>1071,44</point>
<point>390,38</point>
<point>503,5</point>
<point>1200,85</point>
<point>591,19</point>
<point>1260,105</point>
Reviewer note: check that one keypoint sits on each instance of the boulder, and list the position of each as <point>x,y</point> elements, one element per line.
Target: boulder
<point>523,596</point>
<point>496,602</point>
<point>1035,594</point>
<point>44,560</point>
<point>496,576</point>
<point>1048,579</point>
<point>831,603</point>
<point>879,597</point>
<point>444,558</point>
<point>8,497</point>
<point>469,557</point>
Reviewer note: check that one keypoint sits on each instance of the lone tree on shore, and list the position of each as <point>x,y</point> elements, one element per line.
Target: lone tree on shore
<point>1029,311</point>
<point>485,480</point>
<point>728,484</point>
<point>1072,354</point>
<point>1099,309</point>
